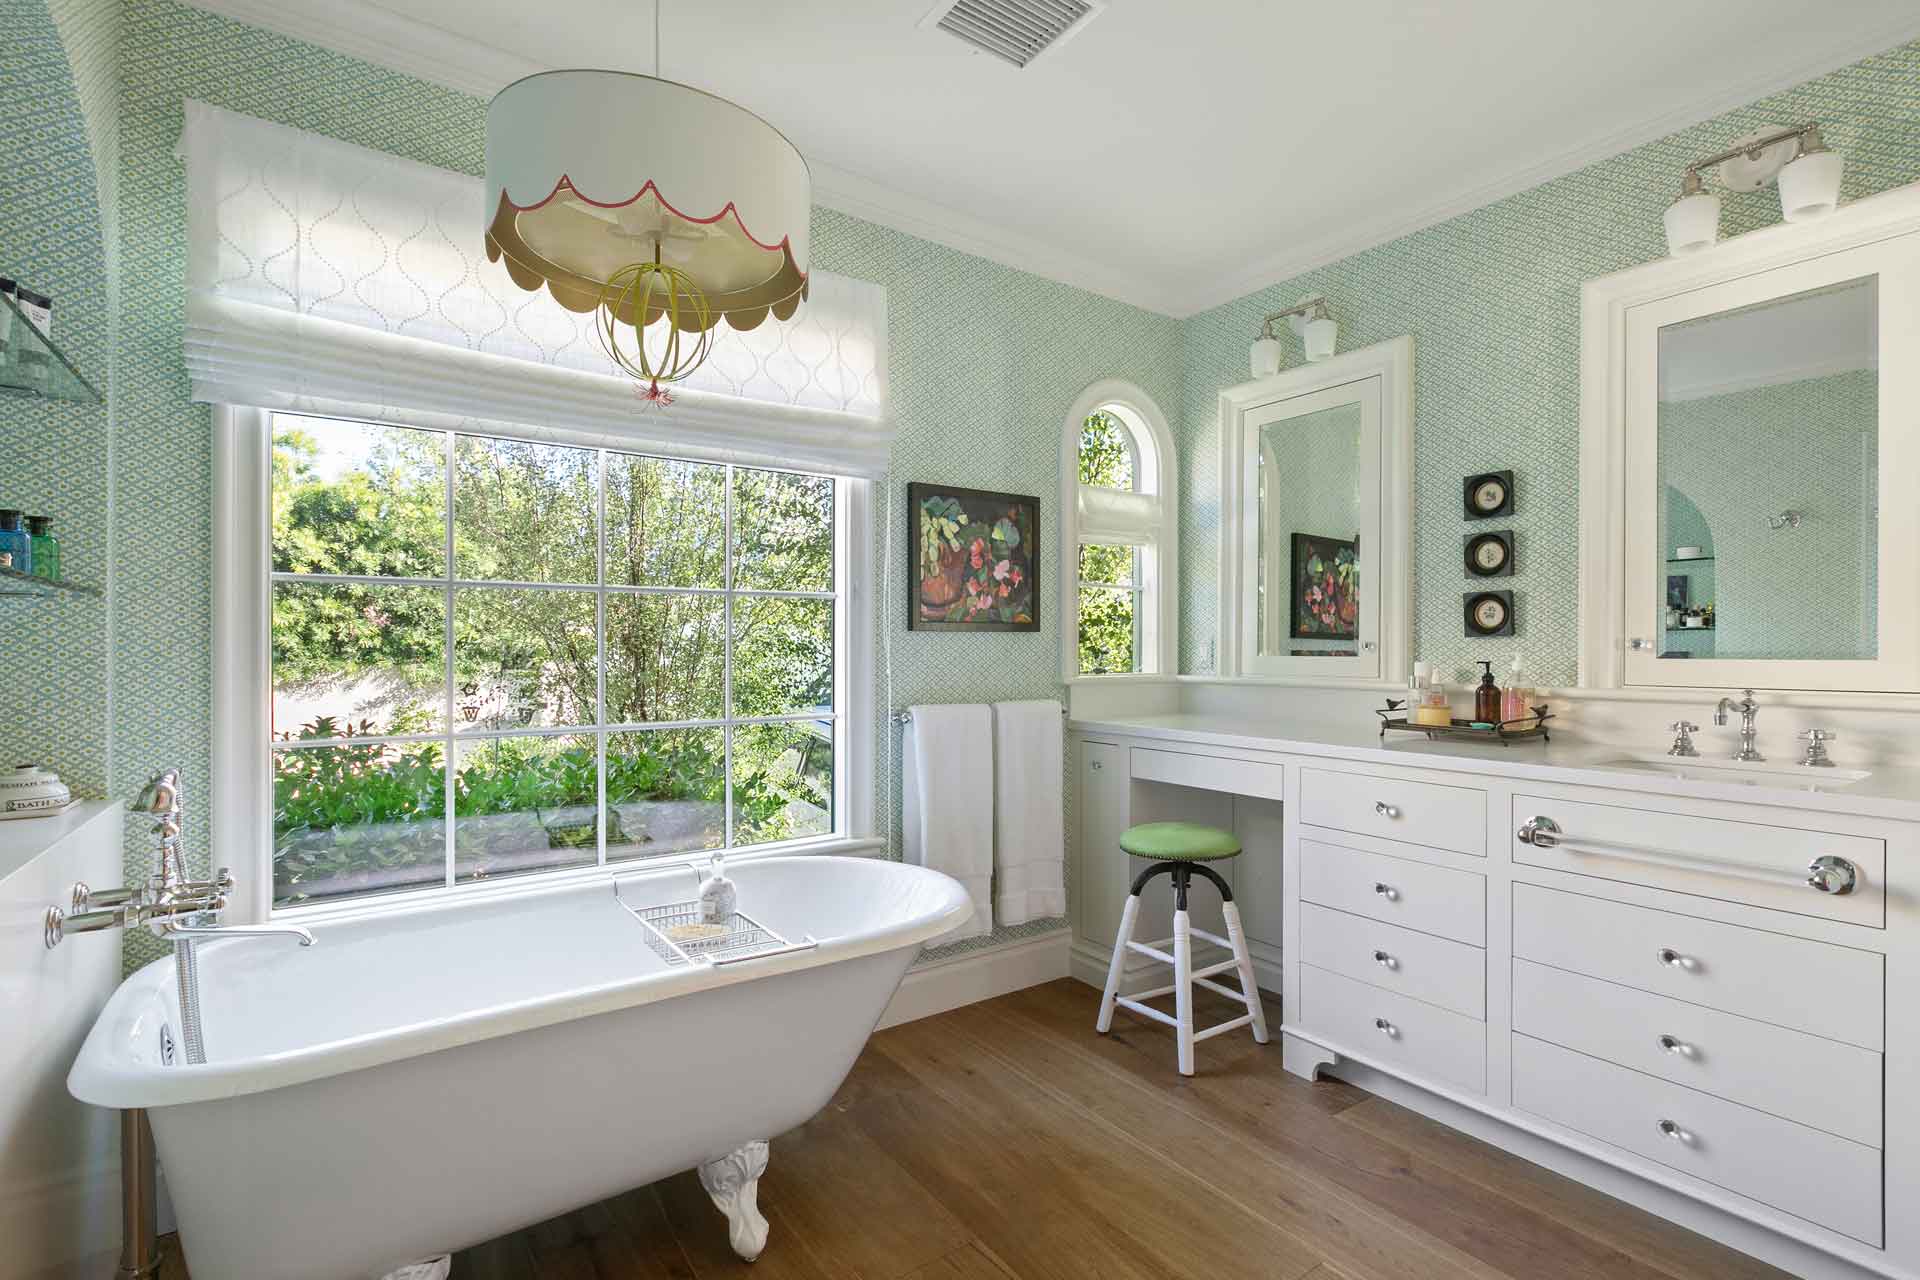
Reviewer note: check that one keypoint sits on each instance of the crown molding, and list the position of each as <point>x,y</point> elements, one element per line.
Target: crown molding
<point>399,43</point>
<point>1281,267</point>
<point>366,31</point>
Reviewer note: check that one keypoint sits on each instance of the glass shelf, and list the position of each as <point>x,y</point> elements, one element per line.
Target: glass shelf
<point>15,583</point>
<point>1691,560</point>
<point>33,366</point>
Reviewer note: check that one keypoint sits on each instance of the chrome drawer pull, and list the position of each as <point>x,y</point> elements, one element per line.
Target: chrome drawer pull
<point>1386,891</point>
<point>1387,1029</point>
<point>1826,873</point>
<point>1385,961</point>
<point>1676,1046</point>
<point>1674,1131</point>
<point>1668,956</point>
<point>1385,810</point>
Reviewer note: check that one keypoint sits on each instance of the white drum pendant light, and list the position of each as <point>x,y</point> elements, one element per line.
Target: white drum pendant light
<point>664,207</point>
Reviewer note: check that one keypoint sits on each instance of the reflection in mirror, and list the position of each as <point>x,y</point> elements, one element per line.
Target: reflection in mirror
<point>1769,479</point>
<point>1310,570</point>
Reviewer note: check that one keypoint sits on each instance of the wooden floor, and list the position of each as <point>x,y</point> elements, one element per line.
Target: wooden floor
<point>1006,1139</point>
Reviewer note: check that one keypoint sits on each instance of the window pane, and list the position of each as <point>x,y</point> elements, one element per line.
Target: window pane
<point>524,512</point>
<point>666,522</point>
<point>1106,452</point>
<point>666,792</point>
<point>524,804</point>
<point>355,499</point>
<point>523,658</point>
<point>782,655</point>
<point>357,819</point>
<point>666,658</point>
<point>349,659</point>
<point>782,531</point>
<point>782,781</point>
<point>1100,563</point>
<point>1106,630</point>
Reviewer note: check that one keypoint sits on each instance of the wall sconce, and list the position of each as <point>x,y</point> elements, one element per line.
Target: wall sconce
<point>1808,172</point>
<point>1317,331</point>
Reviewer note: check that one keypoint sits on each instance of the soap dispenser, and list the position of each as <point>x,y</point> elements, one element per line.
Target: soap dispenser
<point>1516,700</point>
<point>718,897</point>
<point>1486,698</point>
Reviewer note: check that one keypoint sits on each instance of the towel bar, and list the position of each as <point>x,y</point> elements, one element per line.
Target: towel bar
<point>906,716</point>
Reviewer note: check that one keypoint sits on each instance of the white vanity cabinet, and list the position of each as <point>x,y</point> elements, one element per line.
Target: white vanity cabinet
<point>1630,980</point>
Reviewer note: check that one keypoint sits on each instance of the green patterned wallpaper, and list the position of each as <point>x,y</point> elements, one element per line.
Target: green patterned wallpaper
<point>54,686</point>
<point>1492,299</point>
<point>985,361</point>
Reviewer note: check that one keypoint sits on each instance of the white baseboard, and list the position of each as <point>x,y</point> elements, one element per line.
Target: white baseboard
<point>978,975</point>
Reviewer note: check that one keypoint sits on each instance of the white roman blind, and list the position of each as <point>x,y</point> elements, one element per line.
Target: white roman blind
<point>328,278</point>
<point>1119,516</point>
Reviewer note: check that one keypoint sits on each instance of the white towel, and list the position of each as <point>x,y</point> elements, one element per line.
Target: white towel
<point>1029,812</point>
<point>948,806</point>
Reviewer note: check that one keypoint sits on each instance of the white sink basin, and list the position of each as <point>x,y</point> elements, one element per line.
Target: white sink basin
<point>1762,774</point>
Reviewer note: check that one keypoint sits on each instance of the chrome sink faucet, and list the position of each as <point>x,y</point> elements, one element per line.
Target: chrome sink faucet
<point>1748,709</point>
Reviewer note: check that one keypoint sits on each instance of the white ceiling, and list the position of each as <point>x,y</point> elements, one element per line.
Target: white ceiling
<point>1809,335</point>
<point>1173,154</point>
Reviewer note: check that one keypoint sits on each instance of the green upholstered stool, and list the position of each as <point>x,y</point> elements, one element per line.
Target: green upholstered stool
<point>1180,851</point>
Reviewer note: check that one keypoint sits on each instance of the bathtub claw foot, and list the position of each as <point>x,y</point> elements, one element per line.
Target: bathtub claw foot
<point>734,1183</point>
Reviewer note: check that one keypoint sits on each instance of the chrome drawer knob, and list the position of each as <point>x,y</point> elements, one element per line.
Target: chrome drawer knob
<point>1385,961</point>
<point>1385,810</point>
<point>1386,891</point>
<point>1832,875</point>
<point>1677,1047</point>
<point>1387,1029</point>
<point>1674,1131</point>
<point>1673,959</point>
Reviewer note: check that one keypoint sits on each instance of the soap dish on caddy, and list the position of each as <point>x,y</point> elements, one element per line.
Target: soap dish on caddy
<point>739,937</point>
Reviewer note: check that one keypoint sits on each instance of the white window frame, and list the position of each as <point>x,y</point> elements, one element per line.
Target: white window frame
<point>1157,562</point>
<point>242,788</point>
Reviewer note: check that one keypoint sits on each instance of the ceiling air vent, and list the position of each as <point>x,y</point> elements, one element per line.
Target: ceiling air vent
<point>1016,31</point>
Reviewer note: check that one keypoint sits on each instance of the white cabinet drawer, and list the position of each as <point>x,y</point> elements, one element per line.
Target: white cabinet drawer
<point>1418,895</point>
<point>1397,1032</point>
<point>1816,1176</point>
<point>1210,773</point>
<point>1450,974</point>
<point>1822,1084</point>
<point>1653,845</point>
<point>1830,991</point>
<point>1396,809</point>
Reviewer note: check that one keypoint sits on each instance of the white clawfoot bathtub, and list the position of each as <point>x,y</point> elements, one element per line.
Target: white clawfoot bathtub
<point>418,1082</point>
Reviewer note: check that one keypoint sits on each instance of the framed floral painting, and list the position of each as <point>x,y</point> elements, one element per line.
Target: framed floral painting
<point>975,558</point>
<point>1326,588</point>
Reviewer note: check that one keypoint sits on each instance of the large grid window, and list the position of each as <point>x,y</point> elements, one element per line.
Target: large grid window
<point>494,657</point>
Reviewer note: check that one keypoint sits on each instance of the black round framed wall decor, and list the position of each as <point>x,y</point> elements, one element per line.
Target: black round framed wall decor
<point>1488,494</point>
<point>1488,613</point>
<point>1490,555</point>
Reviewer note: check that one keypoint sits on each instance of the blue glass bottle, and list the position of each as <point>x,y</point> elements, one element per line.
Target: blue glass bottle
<point>14,540</point>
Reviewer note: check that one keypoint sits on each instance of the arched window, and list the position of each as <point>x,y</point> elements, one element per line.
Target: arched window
<point>1118,533</point>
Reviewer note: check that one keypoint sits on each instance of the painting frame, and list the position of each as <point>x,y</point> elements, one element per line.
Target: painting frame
<point>1302,621</point>
<point>928,595</point>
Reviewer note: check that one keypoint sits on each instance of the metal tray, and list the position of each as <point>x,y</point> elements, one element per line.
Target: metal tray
<point>1526,729</point>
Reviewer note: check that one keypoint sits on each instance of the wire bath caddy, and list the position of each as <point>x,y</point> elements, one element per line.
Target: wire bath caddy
<point>741,936</point>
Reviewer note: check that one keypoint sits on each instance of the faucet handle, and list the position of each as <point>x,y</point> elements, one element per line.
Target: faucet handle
<point>1683,738</point>
<point>1819,735</point>
<point>1817,740</point>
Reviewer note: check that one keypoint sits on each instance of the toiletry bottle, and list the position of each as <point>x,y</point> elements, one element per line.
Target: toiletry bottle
<point>44,547</point>
<point>14,540</point>
<point>1486,698</point>
<point>1516,700</point>
<point>1416,685</point>
<point>718,897</point>
<point>1434,708</point>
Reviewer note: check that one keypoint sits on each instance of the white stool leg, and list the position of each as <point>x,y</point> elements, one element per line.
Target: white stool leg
<point>1118,964</point>
<point>1183,988</point>
<point>1243,961</point>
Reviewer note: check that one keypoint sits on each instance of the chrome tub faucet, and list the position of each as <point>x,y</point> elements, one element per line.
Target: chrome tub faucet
<point>1748,709</point>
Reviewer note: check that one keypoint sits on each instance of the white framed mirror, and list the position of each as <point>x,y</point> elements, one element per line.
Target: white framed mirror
<point>1316,466</point>
<point>1750,417</point>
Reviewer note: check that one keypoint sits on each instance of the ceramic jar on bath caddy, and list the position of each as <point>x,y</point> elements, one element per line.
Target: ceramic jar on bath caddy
<point>29,791</point>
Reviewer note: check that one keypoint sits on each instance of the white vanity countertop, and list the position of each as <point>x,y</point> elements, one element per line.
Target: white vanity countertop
<point>1890,792</point>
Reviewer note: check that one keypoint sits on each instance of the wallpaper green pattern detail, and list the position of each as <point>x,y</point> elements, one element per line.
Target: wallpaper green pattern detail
<point>985,362</point>
<point>54,672</point>
<point>1492,299</point>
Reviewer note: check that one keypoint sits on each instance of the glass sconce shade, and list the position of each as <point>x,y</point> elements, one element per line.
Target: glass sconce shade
<point>1809,186</point>
<point>1265,357</point>
<point>1693,223</point>
<point>1319,337</point>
